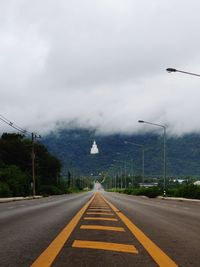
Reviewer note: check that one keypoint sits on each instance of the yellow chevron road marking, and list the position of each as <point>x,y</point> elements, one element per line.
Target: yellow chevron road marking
<point>48,255</point>
<point>100,219</point>
<point>162,259</point>
<point>103,213</point>
<point>100,227</point>
<point>105,246</point>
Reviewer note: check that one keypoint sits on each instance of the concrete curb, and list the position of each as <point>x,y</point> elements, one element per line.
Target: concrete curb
<point>179,198</point>
<point>166,198</point>
<point>11,199</point>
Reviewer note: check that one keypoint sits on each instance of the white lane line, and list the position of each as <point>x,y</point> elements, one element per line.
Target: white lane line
<point>186,208</point>
<point>9,208</point>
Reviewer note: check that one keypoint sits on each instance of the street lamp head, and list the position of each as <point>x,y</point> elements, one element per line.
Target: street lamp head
<point>140,121</point>
<point>171,70</point>
<point>185,72</point>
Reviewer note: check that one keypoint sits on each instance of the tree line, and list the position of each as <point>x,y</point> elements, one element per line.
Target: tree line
<point>16,169</point>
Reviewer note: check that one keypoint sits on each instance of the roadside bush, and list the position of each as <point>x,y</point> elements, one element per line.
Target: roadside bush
<point>171,192</point>
<point>150,192</point>
<point>50,190</point>
<point>15,179</point>
<point>47,190</point>
<point>128,191</point>
<point>188,191</point>
<point>4,190</point>
<point>72,190</point>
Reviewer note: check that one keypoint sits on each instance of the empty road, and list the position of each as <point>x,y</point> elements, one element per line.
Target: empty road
<point>99,229</point>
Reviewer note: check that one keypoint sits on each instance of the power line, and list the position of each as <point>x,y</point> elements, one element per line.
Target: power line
<point>16,127</point>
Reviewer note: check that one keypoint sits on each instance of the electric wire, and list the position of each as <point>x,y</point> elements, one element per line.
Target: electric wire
<point>18,128</point>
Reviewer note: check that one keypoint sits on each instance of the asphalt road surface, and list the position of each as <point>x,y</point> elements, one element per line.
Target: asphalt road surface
<point>101,229</point>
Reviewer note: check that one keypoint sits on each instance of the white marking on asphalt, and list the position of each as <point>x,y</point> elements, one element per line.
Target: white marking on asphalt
<point>186,208</point>
<point>10,208</point>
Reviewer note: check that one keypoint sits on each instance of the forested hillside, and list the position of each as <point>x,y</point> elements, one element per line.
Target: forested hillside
<point>69,159</point>
<point>73,146</point>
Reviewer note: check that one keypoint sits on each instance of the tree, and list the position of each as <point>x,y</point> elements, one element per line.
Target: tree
<point>15,169</point>
<point>13,181</point>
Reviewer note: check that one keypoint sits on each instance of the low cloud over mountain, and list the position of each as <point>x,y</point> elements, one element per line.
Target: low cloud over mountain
<point>99,64</point>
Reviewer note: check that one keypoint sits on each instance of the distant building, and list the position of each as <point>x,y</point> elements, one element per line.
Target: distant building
<point>179,181</point>
<point>148,184</point>
<point>94,149</point>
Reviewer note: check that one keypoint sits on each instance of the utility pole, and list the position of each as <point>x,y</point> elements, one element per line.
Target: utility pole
<point>33,137</point>
<point>33,162</point>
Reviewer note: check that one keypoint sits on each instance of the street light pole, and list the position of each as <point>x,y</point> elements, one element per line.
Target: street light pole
<point>125,185</point>
<point>142,147</point>
<point>164,151</point>
<point>142,165</point>
<point>164,157</point>
<point>132,171</point>
<point>181,71</point>
<point>121,176</point>
<point>124,162</point>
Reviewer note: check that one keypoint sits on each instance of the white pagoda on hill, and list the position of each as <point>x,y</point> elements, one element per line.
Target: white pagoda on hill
<point>94,149</point>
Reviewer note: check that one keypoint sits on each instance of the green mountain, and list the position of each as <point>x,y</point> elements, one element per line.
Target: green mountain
<point>73,148</point>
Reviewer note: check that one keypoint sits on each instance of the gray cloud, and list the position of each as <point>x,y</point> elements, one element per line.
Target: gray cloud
<point>99,64</point>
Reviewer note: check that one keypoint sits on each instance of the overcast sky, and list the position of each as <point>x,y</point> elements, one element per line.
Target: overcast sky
<point>100,64</point>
